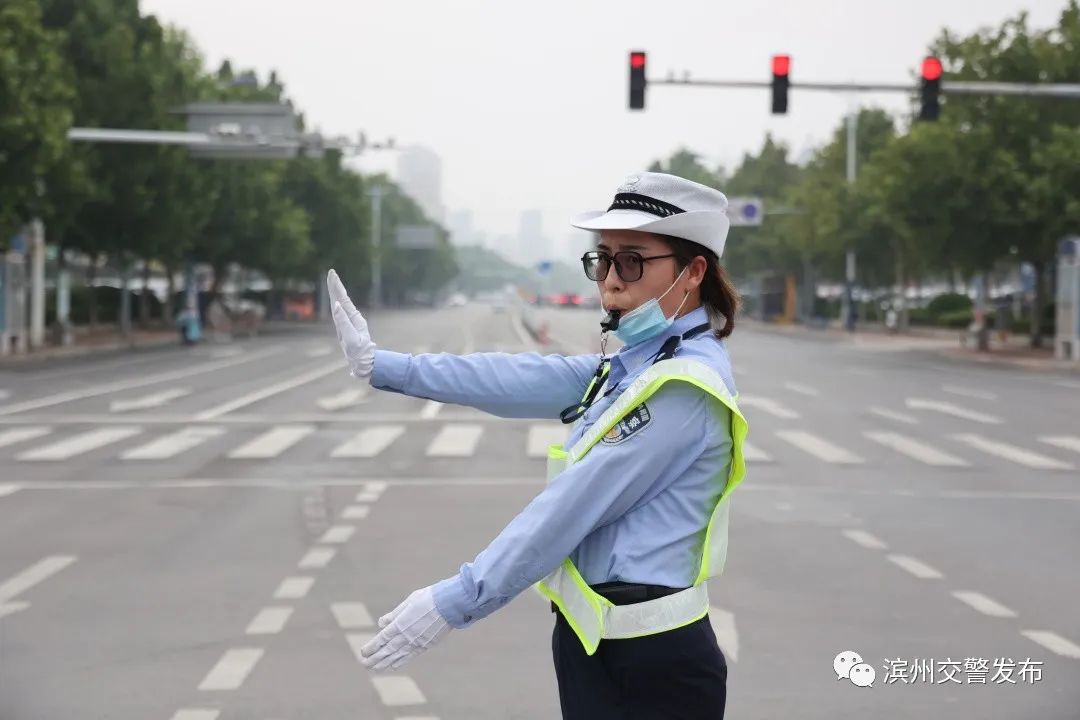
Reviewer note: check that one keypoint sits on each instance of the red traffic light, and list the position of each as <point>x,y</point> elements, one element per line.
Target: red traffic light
<point>931,68</point>
<point>637,60</point>
<point>781,64</point>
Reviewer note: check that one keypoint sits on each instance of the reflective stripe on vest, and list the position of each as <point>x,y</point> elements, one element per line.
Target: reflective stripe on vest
<point>594,617</point>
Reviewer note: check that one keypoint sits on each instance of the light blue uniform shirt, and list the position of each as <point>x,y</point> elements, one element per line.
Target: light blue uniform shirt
<point>633,509</point>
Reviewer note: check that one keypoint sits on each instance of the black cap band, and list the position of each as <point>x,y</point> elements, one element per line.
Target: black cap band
<point>644,203</point>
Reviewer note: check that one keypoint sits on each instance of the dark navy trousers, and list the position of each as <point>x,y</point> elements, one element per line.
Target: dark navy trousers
<point>676,675</point>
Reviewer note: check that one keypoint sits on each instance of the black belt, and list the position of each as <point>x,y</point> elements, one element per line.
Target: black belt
<point>623,593</point>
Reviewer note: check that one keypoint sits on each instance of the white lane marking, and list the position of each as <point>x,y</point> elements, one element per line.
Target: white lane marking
<point>752,453</point>
<point>196,714</point>
<point>541,436</point>
<point>1054,643</point>
<point>355,512</point>
<point>416,717</point>
<point>983,604</point>
<point>801,389</point>
<point>18,435</point>
<point>57,399</point>
<point>1066,442</point>
<point>1068,384</point>
<point>951,409</point>
<point>9,489</point>
<point>367,496</point>
<point>232,669</point>
<point>294,588</point>
<point>819,447</point>
<point>173,444</point>
<point>317,558</point>
<point>398,690</point>
<point>269,621</point>
<point>12,608</point>
<point>916,567</point>
<point>727,637</point>
<point>270,391</point>
<point>31,576</point>
<point>338,534</point>
<point>4,394</point>
<point>148,401</point>
<point>1012,453</point>
<point>890,415</point>
<point>273,442</point>
<point>861,537</point>
<point>430,410</point>
<point>79,444</point>
<point>768,405</point>
<point>378,486</point>
<point>318,352</point>
<point>457,440</point>
<point>352,615</point>
<point>344,399</point>
<point>969,392</point>
<point>916,450</point>
<point>369,442</point>
<point>357,641</point>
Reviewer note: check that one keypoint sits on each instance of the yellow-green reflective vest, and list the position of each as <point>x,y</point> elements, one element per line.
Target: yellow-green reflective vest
<point>594,617</point>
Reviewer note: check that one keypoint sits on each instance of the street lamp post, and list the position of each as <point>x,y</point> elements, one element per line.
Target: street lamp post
<point>376,194</point>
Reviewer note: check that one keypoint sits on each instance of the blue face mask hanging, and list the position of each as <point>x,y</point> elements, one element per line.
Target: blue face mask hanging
<point>647,320</point>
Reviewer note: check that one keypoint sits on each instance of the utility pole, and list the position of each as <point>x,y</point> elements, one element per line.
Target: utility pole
<point>849,276</point>
<point>376,194</point>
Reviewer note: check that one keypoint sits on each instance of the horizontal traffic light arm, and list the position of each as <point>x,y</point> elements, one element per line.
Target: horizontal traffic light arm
<point>959,87</point>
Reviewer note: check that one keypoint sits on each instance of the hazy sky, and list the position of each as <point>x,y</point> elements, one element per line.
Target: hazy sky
<point>526,103</point>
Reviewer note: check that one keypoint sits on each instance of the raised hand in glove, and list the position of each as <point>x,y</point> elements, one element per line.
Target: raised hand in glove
<point>407,631</point>
<point>352,329</point>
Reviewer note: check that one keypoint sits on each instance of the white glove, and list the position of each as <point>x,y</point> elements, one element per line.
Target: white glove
<point>407,631</point>
<point>352,329</point>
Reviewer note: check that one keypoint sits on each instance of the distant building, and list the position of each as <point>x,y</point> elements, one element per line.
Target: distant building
<point>460,225</point>
<point>419,173</point>
<point>532,245</point>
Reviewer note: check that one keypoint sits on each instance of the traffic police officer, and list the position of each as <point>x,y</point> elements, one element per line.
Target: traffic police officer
<point>634,518</point>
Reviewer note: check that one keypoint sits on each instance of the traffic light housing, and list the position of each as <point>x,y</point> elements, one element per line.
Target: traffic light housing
<point>930,87</point>
<point>781,69</point>
<point>637,80</point>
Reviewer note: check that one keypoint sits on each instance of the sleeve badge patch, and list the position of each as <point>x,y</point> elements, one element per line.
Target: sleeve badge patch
<point>635,420</point>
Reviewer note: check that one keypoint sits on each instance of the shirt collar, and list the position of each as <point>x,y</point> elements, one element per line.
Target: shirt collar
<point>628,358</point>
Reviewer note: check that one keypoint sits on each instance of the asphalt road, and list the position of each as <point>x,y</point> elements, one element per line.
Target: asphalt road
<point>208,533</point>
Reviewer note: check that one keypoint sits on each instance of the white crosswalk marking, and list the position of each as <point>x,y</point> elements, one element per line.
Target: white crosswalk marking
<point>79,444</point>
<point>232,669</point>
<point>969,392</point>
<point>753,453</point>
<point>1012,453</point>
<point>352,616</point>
<point>768,405</point>
<point>1066,442</point>
<point>338,534</point>
<point>916,450</point>
<point>861,537</point>
<point>344,399</point>
<point>369,442</point>
<point>891,415</point>
<point>196,714</point>
<point>11,608</point>
<point>430,410</point>
<point>916,567</point>
<point>355,512</point>
<point>37,573</point>
<point>8,489</point>
<point>273,442</point>
<point>819,447</point>
<point>148,401</point>
<point>294,588</point>
<point>951,409</point>
<point>801,389</point>
<point>269,621</point>
<point>317,558</point>
<point>458,440</point>
<point>173,444</point>
<point>397,690</point>
<point>541,436</point>
<point>983,604</point>
<point>18,435</point>
<point>1054,643</point>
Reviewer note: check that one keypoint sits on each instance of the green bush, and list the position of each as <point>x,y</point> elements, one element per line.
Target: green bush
<point>948,303</point>
<point>958,319</point>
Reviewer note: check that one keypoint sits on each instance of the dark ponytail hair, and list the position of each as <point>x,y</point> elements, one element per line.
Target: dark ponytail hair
<point>718,294</point>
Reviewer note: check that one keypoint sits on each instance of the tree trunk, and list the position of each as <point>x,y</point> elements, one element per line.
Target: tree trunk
<point>980,312</point>
<point>1036,307</point>
<point>144,299</point>
<point>168,309</point>
<point>92,309</point>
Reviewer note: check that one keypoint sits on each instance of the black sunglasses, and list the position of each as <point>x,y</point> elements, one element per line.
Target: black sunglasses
<point>628,264</point>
